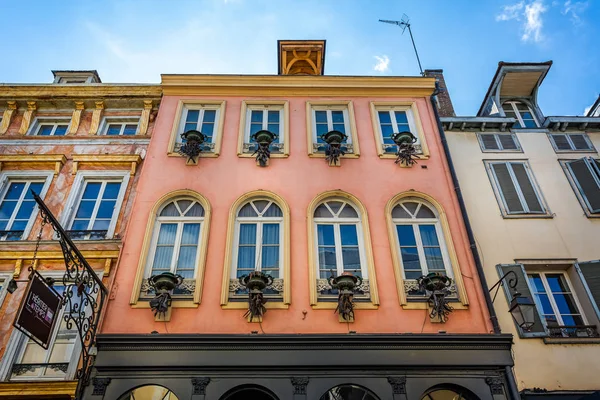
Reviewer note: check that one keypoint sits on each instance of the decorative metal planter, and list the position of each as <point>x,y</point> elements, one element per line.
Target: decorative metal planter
<point>192,146</point>
<point>407,153</point>
<point>333,151</point>
<point>163,285</point>
<point>256,282</point>
<point>346,284</point>
<point>437,287</point>
<point>264,139</point>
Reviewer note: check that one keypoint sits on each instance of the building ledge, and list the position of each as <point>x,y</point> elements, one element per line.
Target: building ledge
<point>496,124</point>
<point>572,123</point>
<point>38,390</point>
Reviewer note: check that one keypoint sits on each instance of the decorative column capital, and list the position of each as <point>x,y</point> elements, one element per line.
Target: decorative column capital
<point>79,105</point>
<point>12,105</point>
<point>495,384</point>
<point>100,385</point>
<point>299,384</point>
<point>147,104</point>
<point>31,106</point>
<point>200,385</point>
<point>99,105</point>
<point>398,384</point>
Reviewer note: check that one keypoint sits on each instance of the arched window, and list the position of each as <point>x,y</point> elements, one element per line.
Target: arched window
<point>149,392</point>
<point>339,232</point>
<point>349,392</point>
<point>175,241</point>
<point>258,240</point>
<point>449,392</point>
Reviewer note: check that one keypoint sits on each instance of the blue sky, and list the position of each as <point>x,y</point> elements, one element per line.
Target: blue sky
<point>136,41</point>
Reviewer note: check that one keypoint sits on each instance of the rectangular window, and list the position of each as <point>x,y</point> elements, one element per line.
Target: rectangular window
<point>324,118</point>
<point>203,119</point>
<point>120,126</point>
<point>96,206</point>
<point>258,249</point>
<point>176,249</point>
<point>17,204</point>
<point>516,188</point>
<point>571,142</point>
<point>338,250</point>
<point>271,117</point>
<point>521,112</point>
<point>499,142</point>
<point>556,300</point>
<point>49,126</point>
<point>584,174</point>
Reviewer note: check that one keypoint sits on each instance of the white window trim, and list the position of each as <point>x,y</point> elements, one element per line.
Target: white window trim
<point>244,134</point>
<point>328,110</point>
<point>202,109</point>
<point>349,125</point>
<point>336,222</point>
<point>551,295</point>
<point>592,149</point>
<point>123,120</point>
<point>18,340</point>
<point>577,186</point>
<point>180,221</point>
<point>420,248</point>
<point>7,176</point>
<point>259,222</point>
<point>77,190</point>
<point>513,104</point>
<point>5,278</point>
<point>392,112</point>
<point>500,196</point>
<point>38,121</point>
<point>265,122</point>
<point>500,148</point>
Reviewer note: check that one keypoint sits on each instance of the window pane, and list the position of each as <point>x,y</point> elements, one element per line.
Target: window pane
<point>275,129</point>
<point>113,129</point>
<point>351,259</point>
<point>536,282</point>
<point>270,234</point>
<point>189,126</point>
<point>508,142</point>
<point>325,235</point>
<point>337,117</point>
<point>425,212</point>
<point>253,129</point>
<point>106,209</point>
<point>400,212</point>
<point>273,211</point>
<point>410,261</point>
<point>195,211</point>
<point>273,116</point>
<point>247,211</point>
<point>342,128</point>
<point>60,130</point>
<point>323,212</point>
<point>208,129</point>
<point>209,116</point>
<point>101,225</point>
<point>527,189</point>
<point>580,142</point>
<point>545,303</point>
<point>7,208</point>
<point>45,130</point>
<point>167,234</point>
<point>170,211</point>
<point>507,188</point>
<point>86,207</point>
<point>190,234</point>
<point>348,235</point>
<point>428,235</point>
<point>256,116</point>
<point>247,234</point>
<point>130,129</point>
<point>557,283</point>
<point>36,187</point>
<point>386,132</point>
<point>433,256</point>
<point>260,205</point>
<point>91,190</point>
<point>566,304</point>
<point>335,206</point>
<point>406,235</point>
<point>587,183</point>
<point>327,261</point>
<point>270,260</point>
<point>187,261</point>
<point>348,212</point>
<point>25,210</point>
<point>80,225</point>
<point>384,117</point>
<point>246,260</point>
<point>489,141</point>
<point>321,117</point>
<point>192,116</point>
<point>15,189</point>
<point>321,130</point>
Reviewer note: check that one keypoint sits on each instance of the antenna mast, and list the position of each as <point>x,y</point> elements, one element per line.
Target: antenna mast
<point>405,23</point>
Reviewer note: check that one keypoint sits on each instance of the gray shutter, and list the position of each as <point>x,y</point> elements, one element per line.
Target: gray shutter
<point>531,198</point>
<point>589,272</point>
<point>561,142</point>
<point>488,140</point>
<point>508,142</point>
<point>538,328</point>
<point>507,188</point>
<point>579,141</point>
<point>587,183</point>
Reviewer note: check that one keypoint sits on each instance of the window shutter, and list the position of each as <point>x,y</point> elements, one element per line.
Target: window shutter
<point>561,142</point>
<point>507,188</point>
<point>538,328</point>
<point>526,186</point>
<point>489,141</point>
<point>508,142</point>
<point>587,183</point>
<point>589,272</point>
<point>580,142</point>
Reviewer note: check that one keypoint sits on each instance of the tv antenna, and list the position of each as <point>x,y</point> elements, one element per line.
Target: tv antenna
<point>405,23</point>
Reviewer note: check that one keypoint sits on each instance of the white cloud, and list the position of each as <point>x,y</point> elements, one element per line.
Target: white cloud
<point>531,15</point>
<point>575,9</point>
<point>383,64</point>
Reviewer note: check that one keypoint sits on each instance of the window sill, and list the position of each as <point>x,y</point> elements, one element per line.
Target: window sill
<point>423,305</point>
<point>502,151</point>
<point>592,151</point>
<point>143,303</point>
<point>528,216</point>
<point>394,156</point>
<point>243,305</point>
<point>549,340</point>
<point>322,155</point>
<point>333,305</point>
<point>202,155</point>
<point>273,155</point>
<point>532,130</point>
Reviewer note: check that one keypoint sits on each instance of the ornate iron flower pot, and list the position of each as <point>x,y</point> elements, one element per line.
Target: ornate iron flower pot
<point>405,137</point>
<point>193,136</point>
<point>334,137</point>
<point>434,281</point>
<point>345,282</point>
<point>166,281</point>
<point>264,137</point>
<point>256,281</point>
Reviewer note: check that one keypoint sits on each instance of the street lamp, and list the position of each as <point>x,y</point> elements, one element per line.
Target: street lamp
<point>521,308</point>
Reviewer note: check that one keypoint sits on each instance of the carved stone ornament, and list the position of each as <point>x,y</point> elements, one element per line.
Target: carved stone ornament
<point>323,284</point>
<point>100,385</point>
<point>250,147</point>
<point>411,285</point>
<point>188,287</point>
<point>209,146</point>
<point>392,148</point>
<point>200,385</point>
<point>495,384</point>
<point>299,384</point>
<point>320,147</point>
<point>235,285</point>
<point>398,384</point>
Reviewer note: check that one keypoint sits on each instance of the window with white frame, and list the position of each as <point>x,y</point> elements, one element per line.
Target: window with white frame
<point>264,117</point>
<point>420,239</point>
<point>258,244</point>
<point>96,202</point>
<point>4,279</point>
<point>392,120</point>
<point>176,243</point>
<point>17,204</point>
<point>327,118</point>
<point>49,126</point>
<point>494,142</point>
<point>521,112</point>
<point>556,300</point>
<point>584,175</point>
<point>120,126</point>
<point>571,142</point>
<point>515,188</point>
<point>339,242</point>
<point>203,118</point>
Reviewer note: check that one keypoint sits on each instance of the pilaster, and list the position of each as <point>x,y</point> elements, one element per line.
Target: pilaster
<point>96,115</point>
<point>199,388</point>
<point>27,116</point>
<point>7,116</point>
<point>145,117</point>
<point>76,118</point>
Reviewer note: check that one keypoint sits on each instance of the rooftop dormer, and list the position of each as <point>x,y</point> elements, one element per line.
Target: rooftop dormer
<point>301,57</point>
<point>513,93</point>
<point>76,77</point>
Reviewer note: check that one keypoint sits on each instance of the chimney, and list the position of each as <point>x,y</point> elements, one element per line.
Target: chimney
<point>301,57</point>
<point>443,98</point>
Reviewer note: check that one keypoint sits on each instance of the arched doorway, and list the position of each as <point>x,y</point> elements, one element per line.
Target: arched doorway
<point>349,392</point>
<point>248,392</point>
<point>449,392</point>
<point>149,392</point>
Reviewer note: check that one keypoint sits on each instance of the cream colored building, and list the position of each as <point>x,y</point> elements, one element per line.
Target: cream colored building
<point>531,185</point>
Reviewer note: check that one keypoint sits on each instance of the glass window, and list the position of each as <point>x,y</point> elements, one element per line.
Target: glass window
<point>203,119</point>
<point>264,117</point>
<point>330,120</point>
<point>120,126</point>
<point>51,129</point>
<point>16,206</point>
<point>516,187</point>
<point>585,174</point>
<point>555,299</point>
<point>521,112</point>
<point>394,121</point>
<point>420,239</point>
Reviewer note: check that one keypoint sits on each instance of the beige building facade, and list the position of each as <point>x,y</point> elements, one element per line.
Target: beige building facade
<point>531,185</point>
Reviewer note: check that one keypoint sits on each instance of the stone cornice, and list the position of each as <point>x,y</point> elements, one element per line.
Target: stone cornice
<point>43,91</point>
<point>38,389</point>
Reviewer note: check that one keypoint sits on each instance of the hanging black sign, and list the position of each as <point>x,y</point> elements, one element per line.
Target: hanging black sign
<point>38,311</point>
